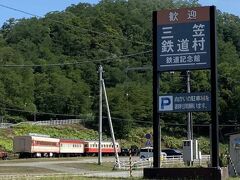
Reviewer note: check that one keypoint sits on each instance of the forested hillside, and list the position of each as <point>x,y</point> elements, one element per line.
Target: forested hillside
<point>48,66</point>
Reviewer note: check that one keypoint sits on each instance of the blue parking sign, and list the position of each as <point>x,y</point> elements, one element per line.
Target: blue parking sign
<point>185,102</point>
<point>166,103</point>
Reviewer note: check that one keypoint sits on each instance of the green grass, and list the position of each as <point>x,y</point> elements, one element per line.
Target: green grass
<point>83,178</point>
<point>76,131</point>
<point>15,169</point>
<point>24,170</point>
<point>91,166</point>
<point>66,131</point>
<point>16,160</point>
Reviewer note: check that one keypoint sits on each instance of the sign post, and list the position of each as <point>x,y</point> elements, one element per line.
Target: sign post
<point>214,114</point>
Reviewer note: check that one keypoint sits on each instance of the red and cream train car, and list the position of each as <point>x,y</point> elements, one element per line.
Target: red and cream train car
<point>35,146</point>
<point>71,147</point>
<point>91,147</point>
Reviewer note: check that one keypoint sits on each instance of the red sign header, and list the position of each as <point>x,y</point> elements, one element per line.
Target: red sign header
<point>183,15</point>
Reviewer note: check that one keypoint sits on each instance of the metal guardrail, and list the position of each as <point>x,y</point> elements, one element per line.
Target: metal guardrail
<point>5,125</point>
<point>46,123</point>
<point>58,122</point>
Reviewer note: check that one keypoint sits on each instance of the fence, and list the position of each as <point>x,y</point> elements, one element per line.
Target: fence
<point>169,160</point>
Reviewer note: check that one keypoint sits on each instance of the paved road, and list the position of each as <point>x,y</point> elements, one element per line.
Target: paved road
<point>60,169</point>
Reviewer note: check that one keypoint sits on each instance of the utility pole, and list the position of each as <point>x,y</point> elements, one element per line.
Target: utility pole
<point>210,137</point>
<point>100,70</point>
<point>35,116</point>
<point>189,123</point>
<point>110,125</point>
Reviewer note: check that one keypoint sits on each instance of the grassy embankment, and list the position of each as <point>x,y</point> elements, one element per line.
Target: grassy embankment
<point>136,136</point>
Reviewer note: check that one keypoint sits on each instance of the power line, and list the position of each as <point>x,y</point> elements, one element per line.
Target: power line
<point>145,68</point>
<point>138,68</point>
<point>105,34</point>
<point>140,121</point>
<point>88,30</point>
<point>74,63</point>
<point>41,113</point>
<point>18,10</point>
<point>66,115</point>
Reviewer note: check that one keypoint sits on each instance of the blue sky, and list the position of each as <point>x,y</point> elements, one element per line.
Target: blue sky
<point>37,7</point>
<point>229,6</point>
<point>41,7</point>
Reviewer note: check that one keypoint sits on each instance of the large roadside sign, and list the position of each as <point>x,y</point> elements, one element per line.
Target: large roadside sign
<point>185,102</point>
<point>183,39</point>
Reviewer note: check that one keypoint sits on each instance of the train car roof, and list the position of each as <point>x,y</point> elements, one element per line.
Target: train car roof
<point>38,138</point>
<point>98,141</point>
<point>72,140</point>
